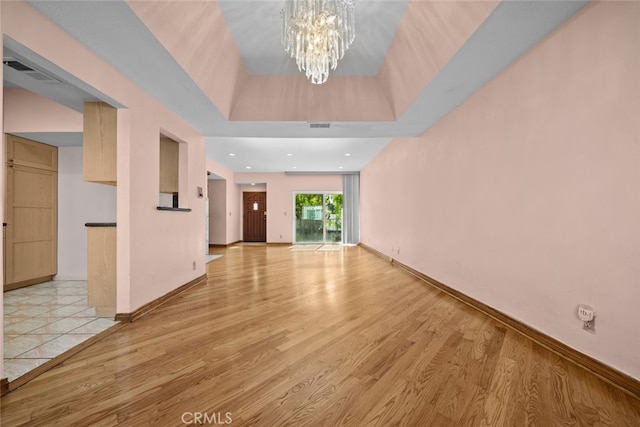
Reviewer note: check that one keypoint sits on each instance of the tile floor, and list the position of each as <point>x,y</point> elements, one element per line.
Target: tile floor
<point>209,258</point>
<point>45,320</point>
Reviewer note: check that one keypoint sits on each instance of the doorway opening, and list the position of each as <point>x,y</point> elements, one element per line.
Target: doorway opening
<point>318,217</point>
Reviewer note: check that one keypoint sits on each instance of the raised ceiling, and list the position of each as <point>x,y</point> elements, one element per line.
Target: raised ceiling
<point>258,40</point>
<point>219,66</point>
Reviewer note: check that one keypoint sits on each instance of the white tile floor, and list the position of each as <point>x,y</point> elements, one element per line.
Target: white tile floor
<point>45,320</point>
<point>209,258</point>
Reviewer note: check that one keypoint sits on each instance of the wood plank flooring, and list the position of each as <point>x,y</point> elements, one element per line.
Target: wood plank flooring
<point>281,338</point>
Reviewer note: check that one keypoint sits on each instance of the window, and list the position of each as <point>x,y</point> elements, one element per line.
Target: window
<point>318,218</point>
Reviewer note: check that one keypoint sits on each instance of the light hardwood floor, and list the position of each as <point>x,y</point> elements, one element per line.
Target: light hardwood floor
<point>281,338</point>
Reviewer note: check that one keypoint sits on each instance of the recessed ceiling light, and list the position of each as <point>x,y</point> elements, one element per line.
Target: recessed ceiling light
<point>289,154</point>
<point>232,154</point>
<point>293,167</point>
<point>339,167</point>
<point>253,183</point>
<point>347,154</point>
<point>248,167</point>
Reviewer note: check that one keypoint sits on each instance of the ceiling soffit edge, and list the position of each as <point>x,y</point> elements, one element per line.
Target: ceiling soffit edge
<point>196,35</point>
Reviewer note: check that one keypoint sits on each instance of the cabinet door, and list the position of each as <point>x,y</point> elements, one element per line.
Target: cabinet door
<point>31,231</point>
<point>101,270</point>
<point>24,152</point>
<point>99,143</point>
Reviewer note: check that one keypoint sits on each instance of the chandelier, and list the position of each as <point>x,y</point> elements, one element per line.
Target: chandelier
<point>317,33</point>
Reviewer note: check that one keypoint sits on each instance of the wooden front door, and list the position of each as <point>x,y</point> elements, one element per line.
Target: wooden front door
<point>31,234</point>
<point>255,217</point>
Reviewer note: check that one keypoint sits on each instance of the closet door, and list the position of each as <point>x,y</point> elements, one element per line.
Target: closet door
<point>31,246</point>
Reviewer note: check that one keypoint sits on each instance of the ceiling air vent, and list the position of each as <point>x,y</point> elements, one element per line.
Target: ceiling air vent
<point>319,125</point>
<point>31,72</point>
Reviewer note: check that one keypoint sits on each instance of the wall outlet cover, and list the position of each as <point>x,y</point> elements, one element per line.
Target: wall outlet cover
<point>585,312</point>
<point>590,325</point>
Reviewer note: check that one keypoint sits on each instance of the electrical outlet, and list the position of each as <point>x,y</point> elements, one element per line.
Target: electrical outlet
<point>585,312</point>
<point>590,325</point>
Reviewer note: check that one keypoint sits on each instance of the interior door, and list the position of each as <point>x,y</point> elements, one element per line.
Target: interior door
<point>31,234</point>
<point>254,217</point>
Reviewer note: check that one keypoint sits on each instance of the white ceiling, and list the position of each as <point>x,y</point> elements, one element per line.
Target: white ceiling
<point>115,33</point>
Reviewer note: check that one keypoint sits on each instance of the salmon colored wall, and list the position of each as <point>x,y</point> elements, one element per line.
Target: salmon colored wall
<point>211,47</point>
<point>292,98</point>
<point>526,196</point>
<point>156,249</point>
<point>29,112</point>
<point>123,215</point>
<point>2,160</point>
<point>429,35</point>
<point>280,188</point>
<point>248,188</point>
<point>217,211</point>
<point>230,220</point>
<point>234,217</point>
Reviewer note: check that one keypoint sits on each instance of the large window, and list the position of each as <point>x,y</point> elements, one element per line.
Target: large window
<point>318,217</point>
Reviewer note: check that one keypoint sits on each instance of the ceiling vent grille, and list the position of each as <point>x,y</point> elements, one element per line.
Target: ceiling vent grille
<point>319,125</point>
<point>30,71</point>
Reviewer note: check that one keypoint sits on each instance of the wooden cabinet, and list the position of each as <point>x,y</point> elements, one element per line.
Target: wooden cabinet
<point>101,268</point>
<point>24,152</point>
<point>31,234</point>
<point>169,153</point>
<point>99,143</point>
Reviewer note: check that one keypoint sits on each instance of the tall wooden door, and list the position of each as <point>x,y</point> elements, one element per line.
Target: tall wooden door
<point>255,217</point>
<point>31,234</point>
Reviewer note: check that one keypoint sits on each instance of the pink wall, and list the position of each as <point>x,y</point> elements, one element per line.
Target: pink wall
<point>234,217</point>
<point>164,245</point>
<point>217,192</point>
<point>155,249</point>
<point>292,98</point>
<point>211,47</point>
<point>526,196</point>
<point>29,112</point>
<point>231,218</point>
<point>2,190</point>
<point>428,36</point>
<point>280,188</point>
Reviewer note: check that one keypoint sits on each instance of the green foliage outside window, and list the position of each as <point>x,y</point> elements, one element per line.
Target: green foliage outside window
<point>310,223</point>
<point>306,200</point>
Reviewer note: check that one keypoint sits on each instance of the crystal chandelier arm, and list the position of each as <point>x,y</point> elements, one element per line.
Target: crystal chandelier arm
<point>317,33</point>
